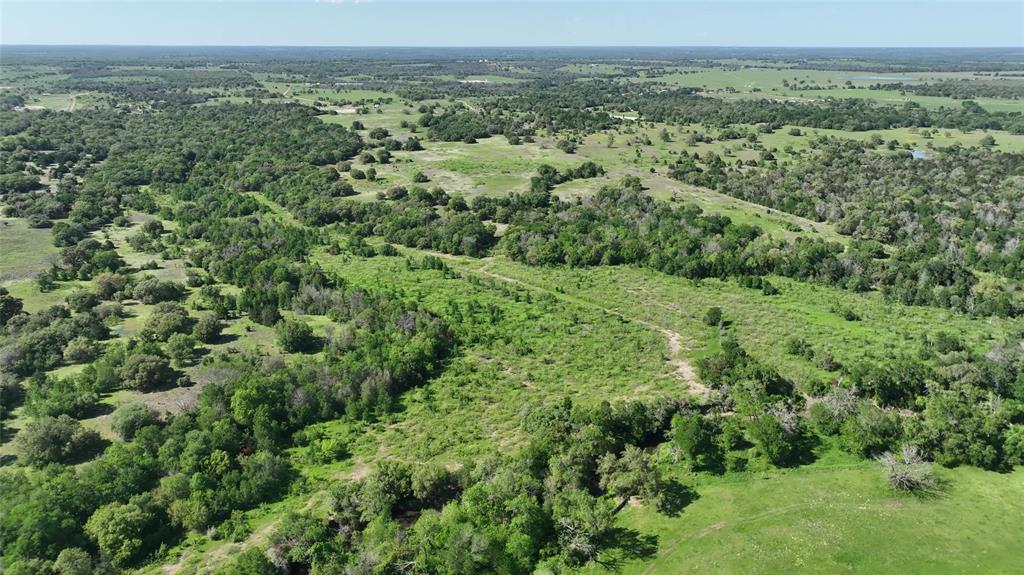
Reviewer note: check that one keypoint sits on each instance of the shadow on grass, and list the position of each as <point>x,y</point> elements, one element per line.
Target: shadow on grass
<point>675,497</point>
<point>626,545</point>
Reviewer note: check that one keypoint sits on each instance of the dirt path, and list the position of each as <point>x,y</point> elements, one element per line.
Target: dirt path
<point>682,368</point>
<point>74,102</point>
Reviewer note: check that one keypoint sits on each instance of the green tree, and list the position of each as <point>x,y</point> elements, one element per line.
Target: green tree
<point>631,474</point>
<point>130,418</point>
<point>58,439</point>
<point>583,525</point>
<point>713,316</point>
<point>124,532</point>
<point>146,372</point>
<point>207,329</point>
<point>695,437</point>
<point>10,306</point>
<point>73,561</point>
<point>295,336</point>
<point>181,347</point>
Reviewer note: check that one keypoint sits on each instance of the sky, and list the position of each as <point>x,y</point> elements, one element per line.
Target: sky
<point>796,23</point>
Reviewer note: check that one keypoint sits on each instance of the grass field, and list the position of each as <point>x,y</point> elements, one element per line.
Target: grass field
<point>836,516</point>
<point>768,83</point>
<point>26,251</point>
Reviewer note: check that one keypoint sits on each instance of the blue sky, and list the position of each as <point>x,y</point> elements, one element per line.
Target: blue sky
<point>524,23</point>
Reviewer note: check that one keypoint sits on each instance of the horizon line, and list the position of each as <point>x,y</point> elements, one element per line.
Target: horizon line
<point>454,46</point>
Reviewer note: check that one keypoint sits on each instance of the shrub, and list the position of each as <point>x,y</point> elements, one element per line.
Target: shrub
<point>55,440</point>
<point>168,318</point>
<point>146,371</point>
<point>908,471</point>
<point>80,350</point>
<point>295,336</point>
<point>130,418</point>
<point>152,290</point>
<point>181,347</point>
<point>82,300</point>
<point>713,316</point>
<point>871,431</point>
<point>207,329</point>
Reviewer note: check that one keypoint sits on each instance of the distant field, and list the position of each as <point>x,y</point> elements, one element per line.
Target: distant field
<point>768,83</point>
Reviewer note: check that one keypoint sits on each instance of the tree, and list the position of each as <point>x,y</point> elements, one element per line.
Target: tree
<point>695,437</point>
<point>130,418</point>
<point>10,306</point>
<point>58,439</point>
<point>870,431</point>
<point>207,329</point>
<point>295,336</point>
<point>631,474</point>
<point>772,439</point>
<point>73,561</point>
<point>567,146</point>
<point>434,485</point>
<point>168,318</point>
<point>124,532</point>
<point>181,347</point>
<point>146,372</point>
<point>583,525</point>
<point>387,491</point>
<point>80,350</point>
<point>713,316</point>
<point>152,290</point>
<point>987,140</point>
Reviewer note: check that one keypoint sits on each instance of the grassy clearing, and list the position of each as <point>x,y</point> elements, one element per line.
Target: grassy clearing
<point>836,516</point>
<point>26,251</point>
<point>526,348</point>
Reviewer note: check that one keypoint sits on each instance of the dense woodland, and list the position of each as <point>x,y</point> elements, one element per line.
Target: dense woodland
<point>245,193</point>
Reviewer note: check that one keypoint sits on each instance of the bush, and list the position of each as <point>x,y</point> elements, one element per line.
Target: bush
<point>168,318</point>
<point>207,329</point>
<point>870,431</point>
<point>713,316</point>
<point>146,372</point>
<point>567,146</point>
<point>81,350</point>
<point>152,290</point>
<point>181,347</point>
<point>773,440</point>
<point>130,418</point>
<point>55,440</point>
<point>82,300</point>
<point>295,336</point>
<point>908,471</point>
